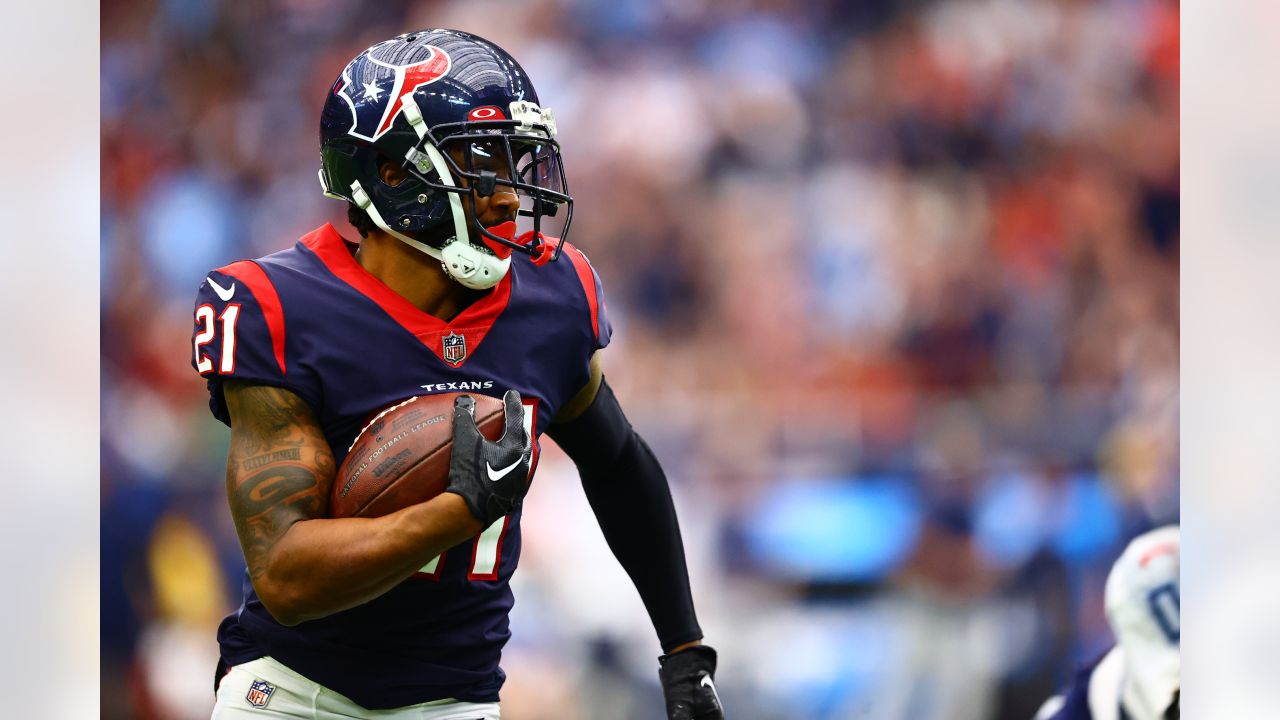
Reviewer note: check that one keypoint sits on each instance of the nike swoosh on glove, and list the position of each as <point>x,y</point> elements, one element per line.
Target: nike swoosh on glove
<point>492,477</point>
<point>688,683</point>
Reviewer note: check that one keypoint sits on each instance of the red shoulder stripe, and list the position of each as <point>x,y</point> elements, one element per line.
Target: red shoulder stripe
<point>587,277</point>
<point>255,278</point>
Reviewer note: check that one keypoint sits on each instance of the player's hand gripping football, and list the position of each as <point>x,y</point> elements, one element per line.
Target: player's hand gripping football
<point>688,683</point>
<point>492,477</point>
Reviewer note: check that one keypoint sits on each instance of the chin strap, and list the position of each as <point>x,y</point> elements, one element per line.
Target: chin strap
<point>469,265</point>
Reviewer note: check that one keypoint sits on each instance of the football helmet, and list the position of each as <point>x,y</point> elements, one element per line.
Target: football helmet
<point>460,115</point>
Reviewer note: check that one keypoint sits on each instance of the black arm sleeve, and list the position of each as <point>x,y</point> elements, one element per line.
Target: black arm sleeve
<point>628,492</point>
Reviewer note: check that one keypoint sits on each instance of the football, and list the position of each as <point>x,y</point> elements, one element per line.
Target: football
<point>402,456</point>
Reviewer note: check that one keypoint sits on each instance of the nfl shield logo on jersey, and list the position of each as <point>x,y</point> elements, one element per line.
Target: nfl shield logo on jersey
<point>455,348</point>
<point>260,693</point>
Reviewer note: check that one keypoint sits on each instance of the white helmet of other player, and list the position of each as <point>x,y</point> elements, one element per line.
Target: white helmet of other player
<point>1142,601</point>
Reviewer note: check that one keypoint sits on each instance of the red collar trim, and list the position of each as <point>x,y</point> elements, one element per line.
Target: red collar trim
<point>472,323</point>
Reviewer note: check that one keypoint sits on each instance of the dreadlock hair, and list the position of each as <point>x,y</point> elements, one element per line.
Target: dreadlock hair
<point>360,220</point>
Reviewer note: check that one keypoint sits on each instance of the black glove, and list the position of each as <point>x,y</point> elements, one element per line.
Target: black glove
<point>492,477</point>
<point>688,684</point>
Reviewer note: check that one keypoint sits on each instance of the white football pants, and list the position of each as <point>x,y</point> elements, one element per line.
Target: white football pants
<point>289,695</point>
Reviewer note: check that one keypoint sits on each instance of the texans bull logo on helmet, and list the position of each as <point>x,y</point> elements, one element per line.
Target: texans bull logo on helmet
<point>363,83</point>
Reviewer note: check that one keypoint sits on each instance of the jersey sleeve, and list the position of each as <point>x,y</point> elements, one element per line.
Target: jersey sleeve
<point>239,332</point>
<point>593,290</point>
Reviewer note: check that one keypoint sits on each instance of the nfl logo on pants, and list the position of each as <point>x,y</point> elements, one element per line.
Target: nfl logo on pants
<point>455,348</point>
<point>259,693</point>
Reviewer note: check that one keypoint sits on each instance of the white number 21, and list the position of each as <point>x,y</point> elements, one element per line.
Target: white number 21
<point>205,333</point>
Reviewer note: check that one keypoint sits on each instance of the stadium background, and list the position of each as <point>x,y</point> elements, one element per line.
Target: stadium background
<point>895,294</point>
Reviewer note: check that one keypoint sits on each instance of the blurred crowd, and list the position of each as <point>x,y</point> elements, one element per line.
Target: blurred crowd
<point>894,286</point>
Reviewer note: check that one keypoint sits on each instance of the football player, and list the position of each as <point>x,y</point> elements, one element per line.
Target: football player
<point>438,143</point>
<point>1138,679</point>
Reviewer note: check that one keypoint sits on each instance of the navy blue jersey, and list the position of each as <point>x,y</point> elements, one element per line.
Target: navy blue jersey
<point>310,319</point>
<point>1075,701</point>
<point>1094,693</point>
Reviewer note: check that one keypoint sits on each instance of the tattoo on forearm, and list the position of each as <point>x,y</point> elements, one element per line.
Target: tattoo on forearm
<point>260,460</point>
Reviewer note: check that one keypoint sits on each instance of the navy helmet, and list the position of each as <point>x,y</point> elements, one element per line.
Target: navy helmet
<point>460,115</point>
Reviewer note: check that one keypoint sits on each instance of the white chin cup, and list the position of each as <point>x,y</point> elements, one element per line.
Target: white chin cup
<point>471,266</point>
